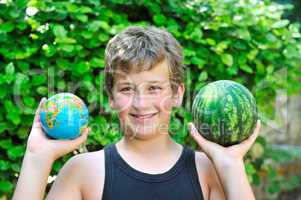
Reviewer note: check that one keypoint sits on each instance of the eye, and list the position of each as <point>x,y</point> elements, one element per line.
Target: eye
<point>155,88</point>
<point>126,89</point>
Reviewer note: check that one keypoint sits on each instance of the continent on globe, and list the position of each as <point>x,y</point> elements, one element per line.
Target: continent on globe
<point>224,112</point>
<point>64,116</point>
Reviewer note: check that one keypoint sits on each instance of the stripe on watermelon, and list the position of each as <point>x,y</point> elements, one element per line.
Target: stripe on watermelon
<point>249,119</point>
<point>253,115</point>
<point>238,132</point>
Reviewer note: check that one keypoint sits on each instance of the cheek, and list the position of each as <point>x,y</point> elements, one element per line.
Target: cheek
<point>165,103</point>
<point>122,104</point>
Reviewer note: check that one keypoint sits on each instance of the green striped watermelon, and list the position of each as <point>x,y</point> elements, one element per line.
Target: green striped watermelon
<point>224,112</point>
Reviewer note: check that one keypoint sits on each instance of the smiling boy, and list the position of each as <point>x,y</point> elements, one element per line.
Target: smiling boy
<point>144,81</point>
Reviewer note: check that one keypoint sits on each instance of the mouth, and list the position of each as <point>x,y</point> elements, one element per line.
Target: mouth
<point>143,117</point>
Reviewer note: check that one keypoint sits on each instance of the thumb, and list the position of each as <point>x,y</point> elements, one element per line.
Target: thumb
<point>75,143</point>
<point>202,142</point>
<point>37,120</point>
<point>67,146</point>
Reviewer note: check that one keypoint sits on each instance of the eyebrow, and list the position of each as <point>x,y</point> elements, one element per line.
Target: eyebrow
<point>129,83</point>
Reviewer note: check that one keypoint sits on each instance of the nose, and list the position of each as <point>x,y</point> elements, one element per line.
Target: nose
<point>140,101</point>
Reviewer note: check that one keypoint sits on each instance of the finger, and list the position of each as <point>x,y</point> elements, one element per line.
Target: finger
<point>202,142</point>
<point>75,143</point>
<point>250,141</point>
<point>37,114</point>
<point>36,121</point>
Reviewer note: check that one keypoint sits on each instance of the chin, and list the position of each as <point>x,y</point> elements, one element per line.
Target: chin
<point>140,133</point>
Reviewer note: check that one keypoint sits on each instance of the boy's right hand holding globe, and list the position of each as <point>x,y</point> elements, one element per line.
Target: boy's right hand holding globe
<point>40,144</point>
<point>41,152</point>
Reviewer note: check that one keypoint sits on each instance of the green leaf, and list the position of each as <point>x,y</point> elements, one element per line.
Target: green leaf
<point>22,25</point>
<point>29,101</point>
<point>14,117</point>
<point>10,68</point>
<point>227,59</point>
<point>220,47</point>
<point>211,41</point>
<point>82,67</point>
<point>4,165</point>
<point>197,34</point>
<point>85,9</point>
<point>189,52</point>
<point>3,127</point>
<point>203,76</point>
<point>7,27</point>
<point>16,167</point>
<point>103,37</point>
<point>243,34</point>
<point>104,25</point>
<point>9,106</point>
<point>23,132</point>
<point>67,47</point>
<point>159,19</point>
<point>280,24</point>
<point>250,169</point>
<point>246,68</point>
<point>274,188</point>
<point>81,17</point>
<point>59,31</point>
<point>252,54</point>
<point>198,61</point>
<point>5,186</point>
<point>15,152</point>
<point>6,143</point>
<point>97,63</point>
<point>42,90</point>
<point>39,80</point>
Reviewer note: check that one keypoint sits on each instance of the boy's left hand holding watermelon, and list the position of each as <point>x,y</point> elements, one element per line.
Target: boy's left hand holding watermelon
<point>228,163</point>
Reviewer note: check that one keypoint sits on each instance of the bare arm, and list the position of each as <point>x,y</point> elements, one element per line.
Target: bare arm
<point>41,152</point>
<point>33,177</point>
<point>228,165</point>
<point>235,182</point>
<point>67,184</point>
<point>211,187</point>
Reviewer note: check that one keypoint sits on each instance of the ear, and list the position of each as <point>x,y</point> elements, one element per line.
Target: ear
<point>112,103</point>
<point>178,97</point>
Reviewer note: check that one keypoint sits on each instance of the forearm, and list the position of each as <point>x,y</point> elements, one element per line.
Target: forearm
<point>235,181</point>
<point>33,177</point>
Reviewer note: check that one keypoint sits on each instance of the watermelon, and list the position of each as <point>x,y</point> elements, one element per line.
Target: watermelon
<point>224,112</point>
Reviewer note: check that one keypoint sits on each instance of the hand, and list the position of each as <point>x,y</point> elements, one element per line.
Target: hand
<point>224,156</point>
<point>38,143</point>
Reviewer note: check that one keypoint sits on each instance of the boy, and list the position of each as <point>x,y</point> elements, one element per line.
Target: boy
<point>144,81</point>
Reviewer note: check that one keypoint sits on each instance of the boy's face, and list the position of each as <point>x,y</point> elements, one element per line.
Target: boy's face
<point>144,101</point>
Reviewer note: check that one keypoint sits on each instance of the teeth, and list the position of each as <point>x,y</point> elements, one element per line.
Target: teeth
<point>143,116</point>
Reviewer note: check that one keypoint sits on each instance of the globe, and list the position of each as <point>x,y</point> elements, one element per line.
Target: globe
<point>64,116</point>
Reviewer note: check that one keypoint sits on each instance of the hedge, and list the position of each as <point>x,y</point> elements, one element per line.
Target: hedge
<point>50,46</point>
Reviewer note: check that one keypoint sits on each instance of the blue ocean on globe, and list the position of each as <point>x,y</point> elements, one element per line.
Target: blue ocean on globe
<point>64,116</point>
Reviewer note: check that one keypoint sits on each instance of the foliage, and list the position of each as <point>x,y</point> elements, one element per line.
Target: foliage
<point>273,168</point>
<point>52,46</point>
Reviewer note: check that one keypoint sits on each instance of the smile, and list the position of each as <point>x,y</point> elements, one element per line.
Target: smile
<point>143,117</point>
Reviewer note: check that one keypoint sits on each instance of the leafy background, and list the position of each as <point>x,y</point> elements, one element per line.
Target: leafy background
<point>50,46</point>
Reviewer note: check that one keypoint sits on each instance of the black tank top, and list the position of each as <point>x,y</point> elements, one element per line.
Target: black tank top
<point>122,182</point>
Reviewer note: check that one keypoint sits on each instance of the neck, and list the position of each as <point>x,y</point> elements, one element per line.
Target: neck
<point>158,145</point>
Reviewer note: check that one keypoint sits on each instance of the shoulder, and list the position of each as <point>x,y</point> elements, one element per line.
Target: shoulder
<point>205,167</point>
<point>208,176</point>
<point>84,159</point>
<point>89,164</point>
<point>203,163</point>
<point>77,174</point>
<point>90,169</point>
